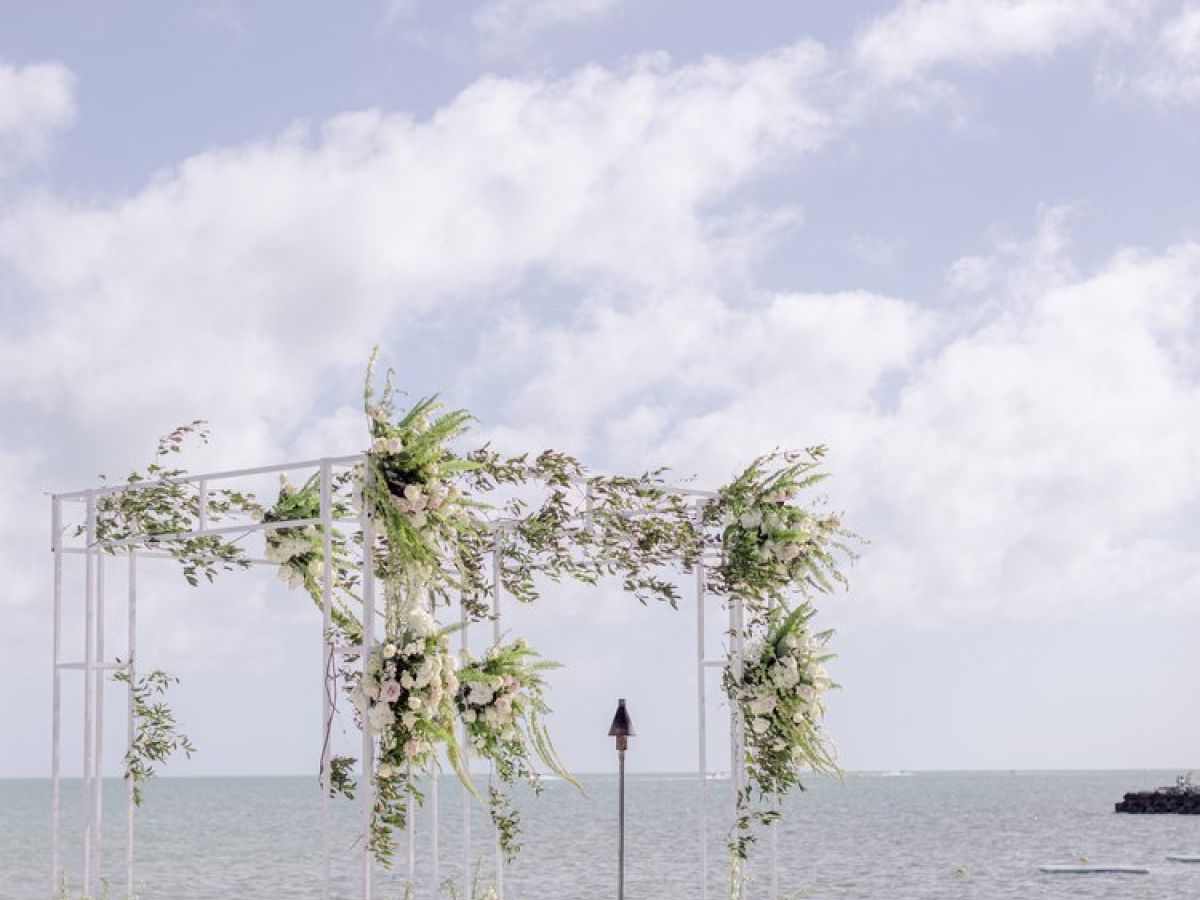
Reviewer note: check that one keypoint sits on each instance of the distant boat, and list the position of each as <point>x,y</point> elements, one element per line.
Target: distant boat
<point>895,773</point>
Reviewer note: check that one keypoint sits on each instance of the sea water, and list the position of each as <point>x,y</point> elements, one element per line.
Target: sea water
<point>876,836</point>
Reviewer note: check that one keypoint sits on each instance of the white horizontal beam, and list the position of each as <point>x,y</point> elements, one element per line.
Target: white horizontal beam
<point>212,476</point>
<point>95,667</point>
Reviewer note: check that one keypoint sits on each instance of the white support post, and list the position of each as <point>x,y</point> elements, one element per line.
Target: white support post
<point>702,725</point>
<point>202,504</point>
<point>56,695</point>
<point>497,547</point>
<point>434,800</point>
<point>327,669</point>
<point>368,640</point>
<point>100,675</point>
<point>466,750</point>
<point>736,735</point>
<point>773,834</point>
<point>131,662</point>
<point>89,646</point>
<point>410,836</point>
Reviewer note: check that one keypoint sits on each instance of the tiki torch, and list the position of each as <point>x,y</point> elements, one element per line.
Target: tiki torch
<point>622,730</point>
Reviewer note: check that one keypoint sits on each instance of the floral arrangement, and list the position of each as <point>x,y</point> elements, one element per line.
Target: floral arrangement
<point>555,520</point>
<point>779,692</point>
<point>299,551</point>
<point>771,544</point>
<point>411,491</point>
<point>501,702</point>
<point>407,698</point>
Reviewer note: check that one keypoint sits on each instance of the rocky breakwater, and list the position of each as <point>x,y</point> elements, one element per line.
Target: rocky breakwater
<point>1183,798</point>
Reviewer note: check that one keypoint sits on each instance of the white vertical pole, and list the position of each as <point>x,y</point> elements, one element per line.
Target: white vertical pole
<point>773,832</point>
<point>702,726</point>
<point>434,849</point>
<point>89,646</point>
<point>497,545</point>
<point>202,506</point>
<point>326,669</point>
<point>466,751</point>
<point>736,737</point>
<point>56,700</point>
<point>410,836</point>
<point>368,640</point>
<point>131,651</point>
<point>98,757</point>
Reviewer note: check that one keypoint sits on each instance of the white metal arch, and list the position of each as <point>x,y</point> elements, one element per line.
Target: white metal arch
<point>96,665</point>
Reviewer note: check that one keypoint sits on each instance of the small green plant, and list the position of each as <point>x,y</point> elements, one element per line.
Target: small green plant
<point>156,737</point>
<point>64,891</point>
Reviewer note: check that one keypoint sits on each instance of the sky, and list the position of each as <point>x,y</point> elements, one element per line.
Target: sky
<point>955,240</point>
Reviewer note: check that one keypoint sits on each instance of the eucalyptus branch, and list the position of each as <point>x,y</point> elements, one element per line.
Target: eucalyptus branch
<point>156,736</point>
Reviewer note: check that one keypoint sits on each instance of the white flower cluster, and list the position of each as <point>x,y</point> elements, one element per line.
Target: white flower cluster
<point>387,445</point>
<point>783,530</point>
<point>489,703</point>
<point>405,692</point>
<point>782,690</point>
<point>288,548</point>
<point>418,503</point>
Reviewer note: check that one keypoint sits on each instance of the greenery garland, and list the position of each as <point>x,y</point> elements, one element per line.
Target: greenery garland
<point>434,535</point>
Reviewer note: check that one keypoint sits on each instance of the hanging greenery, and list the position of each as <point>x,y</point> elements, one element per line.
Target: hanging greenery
<point>443,516</point>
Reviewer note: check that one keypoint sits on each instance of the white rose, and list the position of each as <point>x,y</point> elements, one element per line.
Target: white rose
<point>759,726</point>
<point>385,770</point>
<point>379,445</point>
<point>750,519</point>
<point>411,492</point>
<point>469,716</point>
<point>419,519</point>
<point>414,703</point>
<point>762,706</point>
<point>406,681</point>
<point>380,716</point>
<point>409,719</point>
<point>394,445</point>
<point>421,622</point>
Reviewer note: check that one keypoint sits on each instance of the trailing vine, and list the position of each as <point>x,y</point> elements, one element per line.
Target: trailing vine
<point>156,736</point>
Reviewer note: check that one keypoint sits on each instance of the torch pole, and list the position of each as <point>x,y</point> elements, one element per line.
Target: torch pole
<point>621,745</point>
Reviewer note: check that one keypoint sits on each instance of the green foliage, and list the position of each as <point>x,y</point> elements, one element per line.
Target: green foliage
<point>300,550</point>
<point>770,544</point>
<point>442,516</point>
<point>156,737</point>
<point>162,506</point>
<point>501,701</point>
<point>341,776</point>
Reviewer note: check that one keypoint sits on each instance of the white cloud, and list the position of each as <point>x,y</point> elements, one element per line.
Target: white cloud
<point>921,35</point>
<point>509,24</point>
<point>1169,71</point>
<point>1034,459</point>
<point>247,284</point>
<point>36,103</point>
<point>240,284</point>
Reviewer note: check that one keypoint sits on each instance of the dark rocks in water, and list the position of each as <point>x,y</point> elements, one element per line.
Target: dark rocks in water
<point>1164,800</point>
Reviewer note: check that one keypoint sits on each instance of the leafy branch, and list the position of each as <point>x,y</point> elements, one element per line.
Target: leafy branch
<point>156,736</point>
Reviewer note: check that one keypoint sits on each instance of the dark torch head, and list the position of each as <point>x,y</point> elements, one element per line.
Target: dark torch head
<point>622,726</point>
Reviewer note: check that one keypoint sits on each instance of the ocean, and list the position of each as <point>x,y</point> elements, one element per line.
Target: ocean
<point>889,836</point>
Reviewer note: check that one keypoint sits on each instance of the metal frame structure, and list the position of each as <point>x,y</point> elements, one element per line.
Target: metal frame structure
<point>96,666</point>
